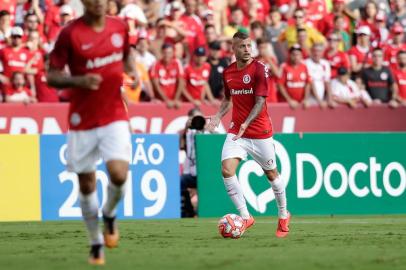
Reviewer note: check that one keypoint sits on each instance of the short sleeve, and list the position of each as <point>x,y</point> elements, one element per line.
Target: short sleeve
<point>60,54</point>
<point>391,79</point>
<point>261,80</point>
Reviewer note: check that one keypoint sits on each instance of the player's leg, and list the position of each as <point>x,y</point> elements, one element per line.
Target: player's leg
<point>115,146</point>
<point>263,151</point>
<point>232,153</point>
<point>81,159</point>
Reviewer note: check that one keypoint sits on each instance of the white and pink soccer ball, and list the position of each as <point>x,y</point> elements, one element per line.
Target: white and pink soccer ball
<point>231,226</point>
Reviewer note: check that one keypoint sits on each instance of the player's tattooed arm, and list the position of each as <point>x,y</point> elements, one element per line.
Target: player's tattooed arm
<point>259,105</point>
<point>225,106</point>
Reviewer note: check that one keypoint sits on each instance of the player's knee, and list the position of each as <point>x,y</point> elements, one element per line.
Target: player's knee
<point>118,177</point>
<point>272,174</point>
<point>227,171</point>
<point>87,183</point>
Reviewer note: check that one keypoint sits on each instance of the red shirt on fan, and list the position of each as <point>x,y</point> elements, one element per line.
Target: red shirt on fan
<point>10,6</point>
<point>168,76</point>
<point>360,55</point>
<point>337,60</point>
<point>13,60</point>
<point>86,51</point>
<point>243,85</point>
<point>196,78</point>
<point>295,78</point>
<point>400,78</point>
<point>390,54</point>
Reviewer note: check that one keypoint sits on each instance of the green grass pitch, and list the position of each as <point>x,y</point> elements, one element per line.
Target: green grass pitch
<point>344,242</point>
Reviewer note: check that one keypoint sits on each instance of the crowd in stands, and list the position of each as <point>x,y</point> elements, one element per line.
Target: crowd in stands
<point>319,52</point>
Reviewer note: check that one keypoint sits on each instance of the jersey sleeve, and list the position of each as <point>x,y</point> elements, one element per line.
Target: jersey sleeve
<point>61,52</point>
<point>391,79</point>
<point>261,80</point>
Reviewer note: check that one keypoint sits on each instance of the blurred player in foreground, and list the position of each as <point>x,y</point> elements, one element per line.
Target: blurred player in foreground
<point>96,50</point>
<point>250,132</point>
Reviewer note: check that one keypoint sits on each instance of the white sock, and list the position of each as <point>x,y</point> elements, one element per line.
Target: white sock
<point>114,195</point>
<point>234,190</point>
<point>278,187</point>
<point>90,209</point>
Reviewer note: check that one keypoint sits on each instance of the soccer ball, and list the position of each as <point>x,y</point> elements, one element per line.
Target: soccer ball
<point>231,226</point>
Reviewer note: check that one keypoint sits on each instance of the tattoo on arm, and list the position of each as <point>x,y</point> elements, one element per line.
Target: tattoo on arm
<point>224,107</point>
<point>259,104</point>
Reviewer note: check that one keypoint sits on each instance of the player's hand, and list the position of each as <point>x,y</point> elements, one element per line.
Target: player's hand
<point>214,121</point>
<point>90,81</point>
<point>241,132</point>
<point>293,104</point>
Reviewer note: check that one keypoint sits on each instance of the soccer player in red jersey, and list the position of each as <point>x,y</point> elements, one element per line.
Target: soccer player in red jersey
<point>95,48</point>
<point>250,132</point>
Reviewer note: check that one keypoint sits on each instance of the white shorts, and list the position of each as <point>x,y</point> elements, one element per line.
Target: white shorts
<point>261,150</point>
<point>86,147</point>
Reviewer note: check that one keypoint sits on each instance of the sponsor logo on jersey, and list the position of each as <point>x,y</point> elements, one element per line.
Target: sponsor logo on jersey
<point>242,91</point>
<point>104,61</point>
<point>246,79</point>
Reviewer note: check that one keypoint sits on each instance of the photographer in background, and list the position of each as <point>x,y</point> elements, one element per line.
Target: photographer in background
<point>188,181</point>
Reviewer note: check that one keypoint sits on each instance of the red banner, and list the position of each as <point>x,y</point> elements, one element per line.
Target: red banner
<point>156,118</point>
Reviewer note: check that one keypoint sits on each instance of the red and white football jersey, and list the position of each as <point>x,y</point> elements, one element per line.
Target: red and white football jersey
<point>390,54</point>
<point>168,76</point>
<point>295,78</point>
<point>14,59</point>
<point>360,55</point>
<point>337,60</point>
<point>400,78</point>
<point>243,85</point>
<point>86,51</point>
<point>196,78</point>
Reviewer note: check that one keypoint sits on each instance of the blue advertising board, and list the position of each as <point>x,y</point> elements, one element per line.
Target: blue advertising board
<point>153,189</point>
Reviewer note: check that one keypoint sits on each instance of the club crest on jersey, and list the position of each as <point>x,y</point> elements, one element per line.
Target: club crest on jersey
<point>246,79</point>
<point>384,76</point>
<point>117,40</point>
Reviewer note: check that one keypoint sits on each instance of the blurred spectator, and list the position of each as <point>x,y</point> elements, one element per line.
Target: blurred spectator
<point>17,92</point>
<point>135,18</point>
<point>302,41</point>
<point>52,24</point>
<point>339,10</point>
<point>112,8</point>
<point>143,54</point>
<point>276,26</point>
<point>167,77</point>
<point>193,27</point>
<point>8,7</point>
<point>397,44</point>
<point>359,6</point>
<point>294,84</point>
<point>256,31</point>
<point>36,67</point>
<point>400,77</point>
<point>338,27</point>
<point>5,28</point>
<point>217,66</point>
<point>31,23</point>
<point>290,34</point>
<point>316,12</point>
<point>335,57</point>
<point>360,54</point>
<point>398,13</point>
<point>196,77</point>
<point>267,56</point>
<point>378,80</point>
<point>346,91</point>
<point>369,20</point>
<point>210,33</point>
<point>236,23</point>
<point>383,32</point>
<point>141,90</point>
<point>320,74</point>
<point>14,57</point>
